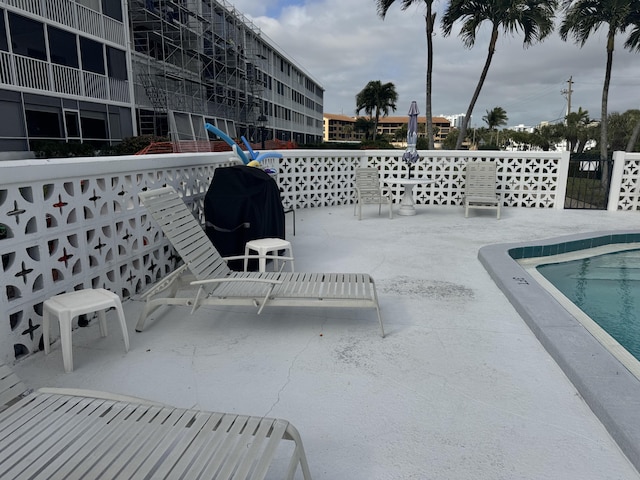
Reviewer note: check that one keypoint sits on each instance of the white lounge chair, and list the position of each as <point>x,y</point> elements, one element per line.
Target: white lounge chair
<point>480,187</point>
<point>368,190</point>
<point>218,285</point>
<point>65,434</point>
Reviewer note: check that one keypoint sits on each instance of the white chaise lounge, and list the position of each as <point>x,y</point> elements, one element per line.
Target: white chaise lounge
<point>218,285</point>
<point>78,434</point>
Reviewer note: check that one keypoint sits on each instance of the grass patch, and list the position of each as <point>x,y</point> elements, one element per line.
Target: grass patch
<point>585,193</point>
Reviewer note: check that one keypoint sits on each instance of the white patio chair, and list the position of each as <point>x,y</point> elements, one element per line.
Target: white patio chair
<point>218,285</point>
<point>368,190</point>
<point>480,187</point>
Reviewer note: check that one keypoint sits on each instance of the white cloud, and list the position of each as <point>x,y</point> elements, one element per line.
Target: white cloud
<point>344,44</point>
<point>254,8</point>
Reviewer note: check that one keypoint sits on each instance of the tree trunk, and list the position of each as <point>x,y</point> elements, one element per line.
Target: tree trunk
<point>375,125</point>
<point>634,137</point>
<point>603,120</point>
<point>476,93</point>
<point>430,19</point>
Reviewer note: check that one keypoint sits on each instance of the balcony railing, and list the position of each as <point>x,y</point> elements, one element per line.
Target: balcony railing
<point>75,15</point>
<point>70,224</point>
<point>33,74</point>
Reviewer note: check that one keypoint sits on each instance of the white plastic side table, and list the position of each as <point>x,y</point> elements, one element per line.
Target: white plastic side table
<point>67,306</point>
<point>265,245</point>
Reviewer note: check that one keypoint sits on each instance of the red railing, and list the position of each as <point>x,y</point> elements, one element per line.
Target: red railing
<point>190,146</point>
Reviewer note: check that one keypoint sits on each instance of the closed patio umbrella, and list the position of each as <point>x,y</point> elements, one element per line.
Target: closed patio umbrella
<point>411,155</point>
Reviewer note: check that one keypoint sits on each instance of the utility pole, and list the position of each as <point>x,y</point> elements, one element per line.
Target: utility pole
<point>568,93</point>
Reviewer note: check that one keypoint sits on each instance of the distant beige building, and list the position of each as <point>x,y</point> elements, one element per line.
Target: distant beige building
<point>341,128</point>
<point>389,125</point>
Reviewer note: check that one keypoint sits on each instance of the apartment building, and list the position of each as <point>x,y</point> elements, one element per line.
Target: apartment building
<point>64,72</point>
<point>342,127</point>
<point>389,125</point>
<point>98,71</point>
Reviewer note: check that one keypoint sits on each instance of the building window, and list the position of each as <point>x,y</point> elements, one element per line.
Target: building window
<point>117,63</point>
<point>92,4</point>
<point>43,124</point>
<point>94,126</point>
<point>4,45</point>
<point>112,8</point>
<point>72,123</point>
<point>27,37</point>
<point>92,56</point>
<point>62,47</point>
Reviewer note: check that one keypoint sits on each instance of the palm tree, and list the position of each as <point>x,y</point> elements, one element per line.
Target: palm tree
<point>633,43</point>
<point>575,123</point>
<point>430,19</point>
<point>375,99</point>
<point>497,117</point>
<point>547,136</point>
<point>401,133</point>
<point>634,137</point>
<point>533,17</point>
<point>582,17</point>
<point>620,129</point>
<point>363,125</point>
<point>347,131</point>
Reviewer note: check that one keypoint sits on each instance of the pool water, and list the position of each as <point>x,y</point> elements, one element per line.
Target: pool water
<point>607,289</point>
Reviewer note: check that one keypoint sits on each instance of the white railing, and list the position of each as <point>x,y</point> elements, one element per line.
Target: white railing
<point>37,74</point>
<point>66,80</point>
<point>32,6</point>
<point>77,223</point>
<point>6,70</point>
<point>113,30</point>
<point>119,90</point>
<point>75,15</point>
<point>89,21</point>
<point>32,73</point>
<point>95,85</point>
<point>61,11</point>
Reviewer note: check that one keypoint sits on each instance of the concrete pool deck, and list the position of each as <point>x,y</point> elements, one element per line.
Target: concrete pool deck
<point>460,388</point>
<point>609,385</point>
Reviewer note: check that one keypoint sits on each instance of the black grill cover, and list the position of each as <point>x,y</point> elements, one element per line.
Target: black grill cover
<point>242,203</point>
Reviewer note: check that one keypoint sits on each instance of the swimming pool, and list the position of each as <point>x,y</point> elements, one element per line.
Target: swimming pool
<point>600,287</point>
<point>604,382</point>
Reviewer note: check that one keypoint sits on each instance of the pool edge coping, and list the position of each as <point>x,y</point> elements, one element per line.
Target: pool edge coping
<point>608,388</point>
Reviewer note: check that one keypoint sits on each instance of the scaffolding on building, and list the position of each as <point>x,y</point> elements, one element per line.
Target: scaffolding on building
<point>197,56</point>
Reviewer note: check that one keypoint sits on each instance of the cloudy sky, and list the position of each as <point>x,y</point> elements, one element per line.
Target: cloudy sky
<point>343,44</point>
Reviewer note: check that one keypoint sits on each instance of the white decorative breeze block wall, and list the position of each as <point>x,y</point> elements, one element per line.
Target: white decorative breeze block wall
<point>77,223</point>
<point>624,192</point>
<point>313,178</point>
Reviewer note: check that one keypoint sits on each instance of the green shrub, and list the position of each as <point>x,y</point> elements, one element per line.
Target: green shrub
<point>378,144</point>
<point>331,146</point>
<point>488,146</point>
<point>422,143</point>
<point>59,149</point>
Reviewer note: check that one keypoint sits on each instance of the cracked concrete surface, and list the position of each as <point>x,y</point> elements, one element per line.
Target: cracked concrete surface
<point>459,389</point>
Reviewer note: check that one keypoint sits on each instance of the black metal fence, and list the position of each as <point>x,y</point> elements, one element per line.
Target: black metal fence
<point>588,182</point>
